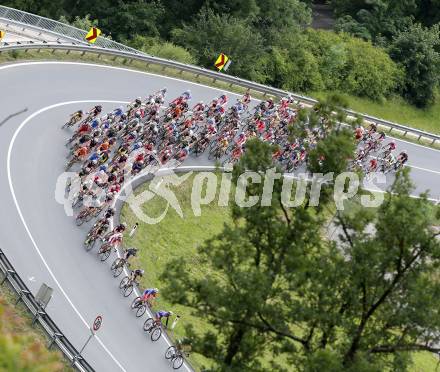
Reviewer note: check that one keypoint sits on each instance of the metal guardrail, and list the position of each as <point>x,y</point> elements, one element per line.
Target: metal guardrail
<point>39,315</point>
<point>216,76</point>
<point>56,28</point>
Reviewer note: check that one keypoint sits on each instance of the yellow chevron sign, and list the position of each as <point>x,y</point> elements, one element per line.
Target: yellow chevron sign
<point>2,35</point>
<point>221,61</point>
<point>93,35</point>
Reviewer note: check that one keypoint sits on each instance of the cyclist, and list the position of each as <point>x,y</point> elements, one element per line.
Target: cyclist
<point>401,160</point>
<point>115,239</point>
<point>150,294</point>
<point>130,252</point>
<point>138,273</point>
<point>372,167</point>
<point>359,133</point>
<point>75,118</point>
<point>162,314</point>
<point>94,111</point>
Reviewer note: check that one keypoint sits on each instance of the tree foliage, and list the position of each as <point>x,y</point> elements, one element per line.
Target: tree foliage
<point>417,51</point>
<point>277,285</point>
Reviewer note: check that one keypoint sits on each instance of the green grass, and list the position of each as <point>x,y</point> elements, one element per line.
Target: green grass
<point>17,321</point>
<point>174,237</point>
<point>395,109</point>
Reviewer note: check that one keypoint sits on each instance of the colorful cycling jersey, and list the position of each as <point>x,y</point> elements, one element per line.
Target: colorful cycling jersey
<point>162,314</point>
<point>150,292</point>
<point>115,238</point>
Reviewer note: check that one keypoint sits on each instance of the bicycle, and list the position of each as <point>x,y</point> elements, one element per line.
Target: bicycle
<point>104,251</point>
<point>154,328</point>
<point>90,240</point>
<point>176,354</point>
<point>127,286</point>
<point>139,304</point>
<point>118,266</point>
<point>86,215</point>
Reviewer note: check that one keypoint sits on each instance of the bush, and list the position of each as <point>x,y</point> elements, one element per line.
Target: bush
<point>353,65</point>
<point>163,49</point>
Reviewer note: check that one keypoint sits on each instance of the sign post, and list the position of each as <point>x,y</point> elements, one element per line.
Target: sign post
<point>93,329</point>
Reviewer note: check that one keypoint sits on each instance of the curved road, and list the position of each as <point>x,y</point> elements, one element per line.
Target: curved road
<point>44,244</point>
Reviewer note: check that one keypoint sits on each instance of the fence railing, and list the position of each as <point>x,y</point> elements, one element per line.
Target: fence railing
<point>215,76</point>
<point>60,29</point>
<point>25,296</point>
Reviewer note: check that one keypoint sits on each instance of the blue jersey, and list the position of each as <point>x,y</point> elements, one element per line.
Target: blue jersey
<point>162,314</point>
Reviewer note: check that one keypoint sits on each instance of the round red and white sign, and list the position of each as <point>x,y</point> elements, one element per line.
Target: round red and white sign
<point>97,323</point>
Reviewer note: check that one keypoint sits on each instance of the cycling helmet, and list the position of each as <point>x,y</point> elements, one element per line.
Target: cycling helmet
<point>156,290</point>
<point>80,112</point>
<point>142,271</point>
<point>98,108</point>
<point>170,312</point>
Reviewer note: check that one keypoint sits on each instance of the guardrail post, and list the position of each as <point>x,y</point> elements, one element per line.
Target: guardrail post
<point>7,273</point>
<point>55,337</point>
<point>418,139</point>
<point>20,295</point>
<point>433,141</point>
<point>37,315</point>
<point>53,50</point>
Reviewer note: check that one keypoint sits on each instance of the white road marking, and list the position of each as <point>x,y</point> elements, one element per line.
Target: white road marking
<point>11,187</point>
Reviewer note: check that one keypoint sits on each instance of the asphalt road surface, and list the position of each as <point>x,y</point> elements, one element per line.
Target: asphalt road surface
<point>44,244</point>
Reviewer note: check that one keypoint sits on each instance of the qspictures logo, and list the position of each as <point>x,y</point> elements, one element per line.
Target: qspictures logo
<point>210,187</point>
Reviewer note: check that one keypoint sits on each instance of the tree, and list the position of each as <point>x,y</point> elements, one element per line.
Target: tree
<point>249,263</point>
<point>350,304</point>
<point>282,15</point>
<point>375,18</point>
<point>352,65</point>
<point>211,34</point>
<point>417,51</point>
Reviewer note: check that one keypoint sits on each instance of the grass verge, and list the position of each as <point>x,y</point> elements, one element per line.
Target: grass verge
<point>395,109</point>
<point>23,347</point>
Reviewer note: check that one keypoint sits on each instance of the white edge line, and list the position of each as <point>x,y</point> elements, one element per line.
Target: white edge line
<point>11,187</point>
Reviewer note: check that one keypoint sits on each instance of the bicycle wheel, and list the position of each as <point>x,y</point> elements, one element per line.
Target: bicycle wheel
<point>141,310</point>
<point>171,351</point>
<point>177,362</point>
<point>118,269</point>
<point>76,202</point>
<point>157,332</point>
<point>124,282</point>
<point>148,324</point>
<point>79,219</point>
<point>128,290</point>
<point>89,217</point>
<point>115,264</point>
<point>89,243</point>
<point>104,252</point>
<point>135,303</point>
